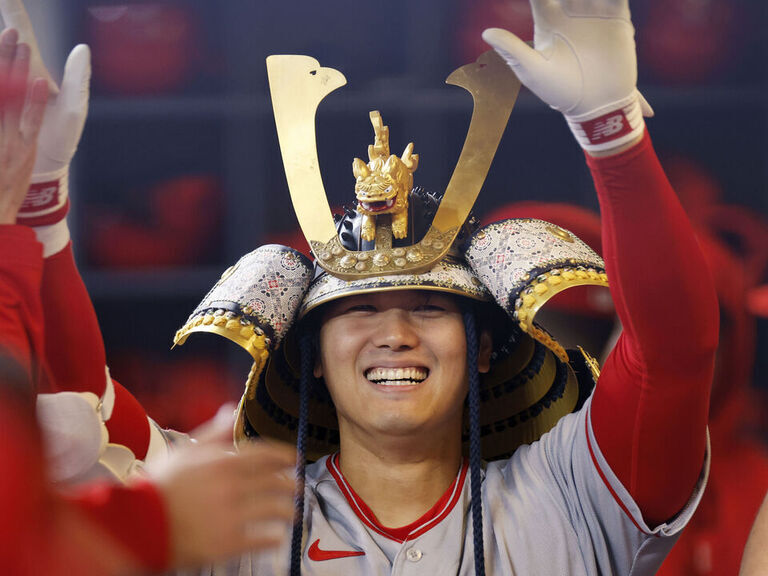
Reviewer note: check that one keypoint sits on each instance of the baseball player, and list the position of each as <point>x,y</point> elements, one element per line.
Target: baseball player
<point>367,362</point>
<point>385,361</point>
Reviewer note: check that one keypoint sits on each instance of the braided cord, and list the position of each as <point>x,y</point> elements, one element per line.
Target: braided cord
<point>475,452</point>
<point>305,346</point>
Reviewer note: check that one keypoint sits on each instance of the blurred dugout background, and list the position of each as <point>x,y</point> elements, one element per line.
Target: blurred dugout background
<point>179,173</point>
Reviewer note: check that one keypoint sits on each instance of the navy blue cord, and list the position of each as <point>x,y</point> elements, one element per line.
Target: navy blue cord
<point>475,451</point>
<point>305,346</point>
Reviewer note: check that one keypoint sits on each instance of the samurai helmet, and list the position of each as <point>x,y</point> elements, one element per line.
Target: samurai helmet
<point>400,237</point>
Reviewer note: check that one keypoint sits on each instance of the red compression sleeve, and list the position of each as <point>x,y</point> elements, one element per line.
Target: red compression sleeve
<point>129,425</point>
<point>74,346</point>
<point>650,407</point>
<point>21,316</point>
<point>134,516</point>
<point>75,349</point>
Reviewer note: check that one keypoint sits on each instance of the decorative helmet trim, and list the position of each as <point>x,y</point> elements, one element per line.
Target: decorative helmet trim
<point>519,264</point>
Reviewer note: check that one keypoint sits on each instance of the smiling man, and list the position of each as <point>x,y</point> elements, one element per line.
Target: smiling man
<point>395,366</point>
<point>395,362</point>
<point>449,432</point>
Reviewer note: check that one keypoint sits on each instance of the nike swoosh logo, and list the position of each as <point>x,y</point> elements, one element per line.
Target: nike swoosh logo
<point>319,555</point>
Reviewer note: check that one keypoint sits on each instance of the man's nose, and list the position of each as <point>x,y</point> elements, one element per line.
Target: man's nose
<point>395,330</point>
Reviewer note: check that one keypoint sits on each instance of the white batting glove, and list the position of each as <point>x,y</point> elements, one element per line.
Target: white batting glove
<point>582,63</point>
<point>47,202</point>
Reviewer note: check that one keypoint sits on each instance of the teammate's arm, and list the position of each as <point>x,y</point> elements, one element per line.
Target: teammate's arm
<point>69,317</point>
<point>19,127</point>
<point>650,407</point>
<point>205,504</point>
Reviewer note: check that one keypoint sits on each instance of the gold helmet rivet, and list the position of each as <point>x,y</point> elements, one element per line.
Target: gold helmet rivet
<point>560,233</point>
<point>380,260</point>
<point>414,255</point>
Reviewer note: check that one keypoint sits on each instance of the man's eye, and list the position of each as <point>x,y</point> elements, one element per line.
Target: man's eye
<point>429,308</point>
<point>360,308</point>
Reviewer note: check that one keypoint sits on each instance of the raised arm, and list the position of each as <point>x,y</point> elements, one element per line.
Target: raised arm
<point>68,311</point>
<point>204,503</point>
<point>19,127</point>
<point>74,352</point>
<point>650,407</point>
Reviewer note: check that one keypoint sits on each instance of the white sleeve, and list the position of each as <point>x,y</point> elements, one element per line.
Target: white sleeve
<point>607,521</point>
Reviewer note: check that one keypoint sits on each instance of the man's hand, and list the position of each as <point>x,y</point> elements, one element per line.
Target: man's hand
<point>583,64</point>
<point>222,504</point>
<point>20,122</point>
<point>48,199</point>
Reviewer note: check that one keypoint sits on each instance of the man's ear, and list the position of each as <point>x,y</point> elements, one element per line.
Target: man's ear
<point>484,352</point>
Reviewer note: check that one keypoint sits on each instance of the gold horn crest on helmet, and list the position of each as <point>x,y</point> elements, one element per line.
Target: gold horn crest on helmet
<point>298,84</point>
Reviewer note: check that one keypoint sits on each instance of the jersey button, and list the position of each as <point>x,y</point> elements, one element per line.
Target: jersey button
<point>413,554</point>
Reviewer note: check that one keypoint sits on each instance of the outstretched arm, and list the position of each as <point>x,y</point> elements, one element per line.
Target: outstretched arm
<point>652,401</point>
<point>69,316</point>
<point>73,346</point>
<point>19,127</point>
<point>650,407</point>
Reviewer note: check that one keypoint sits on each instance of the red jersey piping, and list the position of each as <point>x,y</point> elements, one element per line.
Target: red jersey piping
<point>608,485</point>
<point>431,518</point>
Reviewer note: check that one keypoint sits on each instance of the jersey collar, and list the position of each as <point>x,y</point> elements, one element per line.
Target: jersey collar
<point>428,520</point>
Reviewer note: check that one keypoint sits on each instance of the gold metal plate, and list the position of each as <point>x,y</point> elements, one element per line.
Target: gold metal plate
<point>298,84</point>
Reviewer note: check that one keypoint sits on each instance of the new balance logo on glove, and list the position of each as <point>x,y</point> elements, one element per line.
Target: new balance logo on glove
<point>606,127</point>
<point>41,195</point>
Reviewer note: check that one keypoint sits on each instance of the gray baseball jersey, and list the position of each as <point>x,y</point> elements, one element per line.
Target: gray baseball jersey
<point>554,508</point>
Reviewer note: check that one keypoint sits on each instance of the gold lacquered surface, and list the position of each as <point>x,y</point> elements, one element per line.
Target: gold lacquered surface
<point>299,83</point>
<point>494,89</point>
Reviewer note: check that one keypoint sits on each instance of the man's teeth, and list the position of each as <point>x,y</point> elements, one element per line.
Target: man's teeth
<point>396,376</point>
